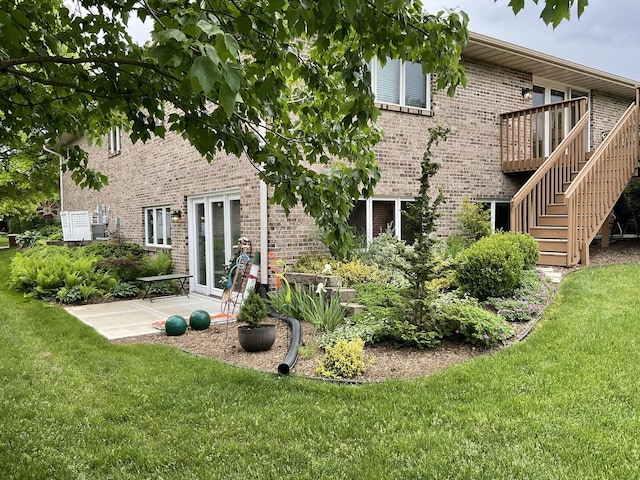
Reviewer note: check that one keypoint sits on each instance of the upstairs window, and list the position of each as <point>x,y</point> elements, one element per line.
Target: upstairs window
<point>401,83</point>
<point>115,147</point>
<point>157,227</point>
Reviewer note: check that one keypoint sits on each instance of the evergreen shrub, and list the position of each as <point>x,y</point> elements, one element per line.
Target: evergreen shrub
<point>491,267</point>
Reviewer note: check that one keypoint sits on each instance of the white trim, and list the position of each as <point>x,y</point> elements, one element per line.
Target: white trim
<point>373,67</point>
<point>115,142</point>
<point>397,213</point>
<point>166,224</point>
<point>225,196</point>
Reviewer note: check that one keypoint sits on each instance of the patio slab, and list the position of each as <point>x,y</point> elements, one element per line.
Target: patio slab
<point>129,318</point>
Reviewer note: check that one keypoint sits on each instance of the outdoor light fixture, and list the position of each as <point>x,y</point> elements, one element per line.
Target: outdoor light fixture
<point>175,215</point>
<point>527,93</point>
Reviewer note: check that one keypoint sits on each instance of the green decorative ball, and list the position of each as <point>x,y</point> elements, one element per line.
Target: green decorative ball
<point>175,325</point>
<point>200,320</point>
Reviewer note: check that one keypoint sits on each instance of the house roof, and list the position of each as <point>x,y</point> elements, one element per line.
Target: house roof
<point>509,55</point>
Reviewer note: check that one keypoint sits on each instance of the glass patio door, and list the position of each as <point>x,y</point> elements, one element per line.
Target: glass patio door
<point>214,228</point>
<point>552,127</point>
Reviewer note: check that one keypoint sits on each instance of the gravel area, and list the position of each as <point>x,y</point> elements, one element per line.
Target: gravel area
<point>220,341</point>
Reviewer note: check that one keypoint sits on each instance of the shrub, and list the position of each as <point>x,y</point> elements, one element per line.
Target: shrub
<point>115,250</point>
<point>389,253</point>
<point>403,333</point>
<point>42,271</point>
<point>491,267</point>
<point>355,272</point>
<point>312,263</point>
<point>473,323</point>
<point>366,326</point>
<point>158,264</point>
<point>527,245</point>
<point>344,360</point>
<point>474,221</point>
<point>253,310</point>
<point>40,236</point>
<point>376,294</point>
<point>122,268</point>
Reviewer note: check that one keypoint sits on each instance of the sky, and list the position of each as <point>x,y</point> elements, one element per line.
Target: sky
<point>606,37</point>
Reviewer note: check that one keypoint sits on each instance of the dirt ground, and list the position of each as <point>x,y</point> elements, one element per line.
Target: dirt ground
<point>220,341</point>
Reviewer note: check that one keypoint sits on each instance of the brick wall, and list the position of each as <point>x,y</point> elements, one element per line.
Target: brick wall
<point>166,172</point>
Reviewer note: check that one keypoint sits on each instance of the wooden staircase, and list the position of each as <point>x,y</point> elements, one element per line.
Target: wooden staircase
<point>572,193</point>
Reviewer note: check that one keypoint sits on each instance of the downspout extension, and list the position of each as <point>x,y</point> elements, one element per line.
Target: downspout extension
<point>294,325</point>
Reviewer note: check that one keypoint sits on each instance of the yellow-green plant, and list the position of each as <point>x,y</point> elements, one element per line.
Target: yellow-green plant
<point>344,360</point>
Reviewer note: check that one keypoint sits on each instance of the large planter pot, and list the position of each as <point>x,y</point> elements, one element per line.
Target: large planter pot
<point>258,339</point>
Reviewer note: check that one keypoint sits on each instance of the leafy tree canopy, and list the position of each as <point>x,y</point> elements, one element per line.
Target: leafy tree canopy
<point>284,82</point>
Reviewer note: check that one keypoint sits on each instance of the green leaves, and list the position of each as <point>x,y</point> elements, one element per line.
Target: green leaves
<point>554,11</point>
<point>298,68</point>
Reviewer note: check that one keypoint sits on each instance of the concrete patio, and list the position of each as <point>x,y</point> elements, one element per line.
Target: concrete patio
<point>129,318</point>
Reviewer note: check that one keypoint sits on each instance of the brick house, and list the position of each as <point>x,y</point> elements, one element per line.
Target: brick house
<point>519,105</point>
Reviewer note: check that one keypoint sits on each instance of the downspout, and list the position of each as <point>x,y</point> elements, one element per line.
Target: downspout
<point>60,159</point>
<point>264,234</point>
<point>292,323</point>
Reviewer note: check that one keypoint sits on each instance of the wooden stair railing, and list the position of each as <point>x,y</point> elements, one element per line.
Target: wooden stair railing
<point>593,193</point>
<point>541,197</point>
<point>567,200</point>
<point>524,133</point>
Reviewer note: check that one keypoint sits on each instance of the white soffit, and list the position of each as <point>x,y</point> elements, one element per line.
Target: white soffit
<point>498,52</point>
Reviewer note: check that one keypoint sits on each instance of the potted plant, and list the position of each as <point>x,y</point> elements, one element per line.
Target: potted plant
<point>255,336</point>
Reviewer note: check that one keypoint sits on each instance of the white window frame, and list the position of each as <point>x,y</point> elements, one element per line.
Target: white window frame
<point>401,86</point>
<point>492,202</point>
<point>115,143</point>
<point>165,234</point>
<point>397,221</point>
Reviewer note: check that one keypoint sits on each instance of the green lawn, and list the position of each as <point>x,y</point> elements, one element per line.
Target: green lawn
<point>4,240</point>
<point>562,405</point>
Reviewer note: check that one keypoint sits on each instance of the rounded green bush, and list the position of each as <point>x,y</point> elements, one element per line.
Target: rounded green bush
<point>491,267</point>
<point>175,325</point>
<point>527,246</point>
<point>200,320</point>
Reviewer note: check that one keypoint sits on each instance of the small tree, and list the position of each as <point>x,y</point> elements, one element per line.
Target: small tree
<point>474,221</point>
<point>421,216</point>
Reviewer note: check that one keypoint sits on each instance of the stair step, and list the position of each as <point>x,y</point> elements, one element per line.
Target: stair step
<point>552,245</point>
<point>344,294</point>
<point>557,209</point>
<point>553,258</point>
<point>548,232</point>
<point>553,220</point>
<point>353,308</point>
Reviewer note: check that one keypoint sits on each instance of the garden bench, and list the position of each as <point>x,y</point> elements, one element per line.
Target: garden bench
<point>181,281</point>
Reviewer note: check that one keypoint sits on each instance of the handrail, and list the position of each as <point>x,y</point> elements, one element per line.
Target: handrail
<point>524,133</point>
<point>548,181</point>
<point>595,190</point>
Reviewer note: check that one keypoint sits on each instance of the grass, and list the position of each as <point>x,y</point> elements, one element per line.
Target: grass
<point>4,240</point>
<point>562,405</point>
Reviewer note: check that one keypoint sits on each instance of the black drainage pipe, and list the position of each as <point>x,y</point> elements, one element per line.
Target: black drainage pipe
<point>294,325</point>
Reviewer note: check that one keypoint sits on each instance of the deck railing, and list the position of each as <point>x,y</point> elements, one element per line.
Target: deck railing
<point>525,134</point>
<point>549,181</point>
<point>594,192</point>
